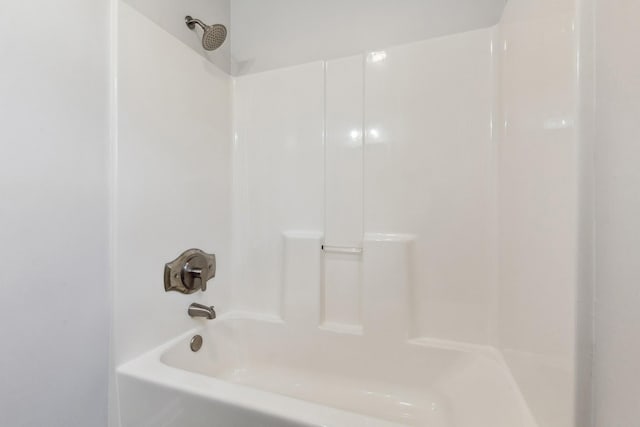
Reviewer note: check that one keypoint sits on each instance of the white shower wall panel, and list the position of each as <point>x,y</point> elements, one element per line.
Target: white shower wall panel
<point>278,178</point>
<point>426,180</point>
<point>344,152</point>
<point>538,215</point>
<point>430,171</point>
<point>173,180</point>
<point>344,121</point>
<point>455,132</point>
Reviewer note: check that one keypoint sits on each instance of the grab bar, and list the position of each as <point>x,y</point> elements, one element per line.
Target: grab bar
<point>342,249</point>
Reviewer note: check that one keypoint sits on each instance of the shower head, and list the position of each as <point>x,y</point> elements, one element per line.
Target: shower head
<point>214,35</point>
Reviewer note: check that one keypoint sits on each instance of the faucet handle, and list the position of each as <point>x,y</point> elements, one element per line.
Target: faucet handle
<point>189,272</point>
<point>194,277</point>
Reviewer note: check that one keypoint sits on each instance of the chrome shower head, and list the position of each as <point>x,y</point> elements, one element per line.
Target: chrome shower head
<point>214,35</point>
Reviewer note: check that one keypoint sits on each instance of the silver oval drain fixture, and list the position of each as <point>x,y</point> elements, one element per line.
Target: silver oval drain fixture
<point>196,343</point>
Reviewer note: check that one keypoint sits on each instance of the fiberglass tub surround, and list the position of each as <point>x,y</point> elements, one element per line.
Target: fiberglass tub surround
<point>390,260</point>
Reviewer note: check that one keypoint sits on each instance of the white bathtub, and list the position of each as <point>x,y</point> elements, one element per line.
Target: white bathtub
<point>253,373</point>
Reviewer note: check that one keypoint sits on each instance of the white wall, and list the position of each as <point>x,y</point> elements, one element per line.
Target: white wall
<point>617,377</point>
<point>54,100</point>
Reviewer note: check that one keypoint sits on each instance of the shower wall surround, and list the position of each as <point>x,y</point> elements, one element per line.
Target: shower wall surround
<point>278,177</point>
<point>449,168</point>
<point>539,171</point>
<point>173,142</point>
<point>385,173</point>
<point>454,164</point>
<point>173,182</point>
<point>430,172</point>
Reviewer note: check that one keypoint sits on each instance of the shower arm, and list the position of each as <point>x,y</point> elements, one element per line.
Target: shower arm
<point>191,23</point>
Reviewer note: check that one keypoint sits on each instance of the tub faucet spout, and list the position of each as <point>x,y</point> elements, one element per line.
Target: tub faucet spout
<point>199,310</point>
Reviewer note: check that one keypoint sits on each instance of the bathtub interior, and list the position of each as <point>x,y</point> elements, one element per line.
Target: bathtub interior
<point>417,383</point>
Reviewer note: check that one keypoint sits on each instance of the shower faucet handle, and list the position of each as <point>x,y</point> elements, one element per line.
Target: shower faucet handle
<point>189,272</point>
<point>194,276</point>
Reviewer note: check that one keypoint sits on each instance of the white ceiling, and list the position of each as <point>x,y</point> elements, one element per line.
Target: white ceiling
<point>269,34</point>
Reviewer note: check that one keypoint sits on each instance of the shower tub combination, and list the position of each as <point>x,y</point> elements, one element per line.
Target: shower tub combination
<point>372,157</point>
<point>262,372</point>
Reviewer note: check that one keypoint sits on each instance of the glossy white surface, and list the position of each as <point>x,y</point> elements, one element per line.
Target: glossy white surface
<point>321,379</point>
<point>617,378</point>
<point>342,283</point>
<point>173,183</point>
<point>455,277</point>
<point>344,121</point>
<point>54,127</point>
<point>343,205</point>
<point>585,27</point>
<point>302,281</point>
<point>449,204</point>
<point>538,204</point>
<point>172,190</point>
<point>281,33</point>
<point>430,171</point>
<point>278,176</point>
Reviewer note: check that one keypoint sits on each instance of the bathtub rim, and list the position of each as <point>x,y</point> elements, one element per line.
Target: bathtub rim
<point>150,368</point>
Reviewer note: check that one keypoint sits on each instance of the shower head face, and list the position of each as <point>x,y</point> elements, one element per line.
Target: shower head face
<point>214,36</point>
